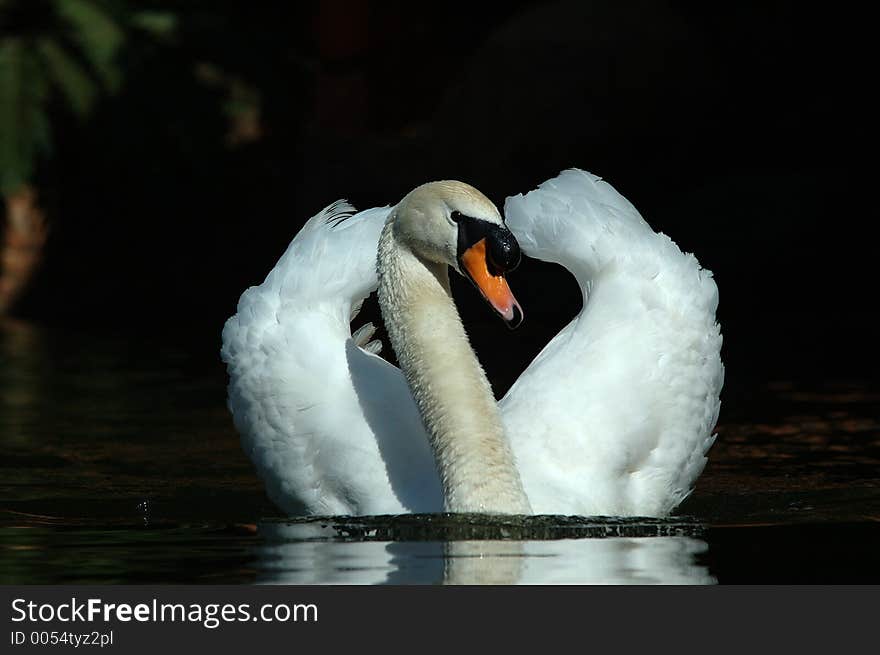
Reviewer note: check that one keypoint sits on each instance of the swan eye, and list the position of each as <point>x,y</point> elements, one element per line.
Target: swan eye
<point>456,216</point>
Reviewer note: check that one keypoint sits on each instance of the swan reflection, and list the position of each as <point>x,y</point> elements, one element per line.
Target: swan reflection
<point>303,554</point>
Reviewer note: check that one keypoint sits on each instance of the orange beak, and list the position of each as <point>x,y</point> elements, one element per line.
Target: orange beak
<point>493,287</point>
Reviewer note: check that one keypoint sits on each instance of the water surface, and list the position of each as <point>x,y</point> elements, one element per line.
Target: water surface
<point>121,465</point>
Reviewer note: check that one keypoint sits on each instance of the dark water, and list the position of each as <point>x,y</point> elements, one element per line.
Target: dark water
<point>120,465</point>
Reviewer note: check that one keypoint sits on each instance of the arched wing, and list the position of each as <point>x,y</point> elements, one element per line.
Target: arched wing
<point>330,426</point>
<point>615,415</point>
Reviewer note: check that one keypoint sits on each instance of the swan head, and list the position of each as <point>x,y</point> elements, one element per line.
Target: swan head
<point>453,223</point>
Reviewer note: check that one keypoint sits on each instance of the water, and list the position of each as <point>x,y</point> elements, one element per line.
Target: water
<point>120,465</point>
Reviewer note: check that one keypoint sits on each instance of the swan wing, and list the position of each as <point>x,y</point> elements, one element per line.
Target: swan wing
<point>616,414</point>
<point>330,426</point>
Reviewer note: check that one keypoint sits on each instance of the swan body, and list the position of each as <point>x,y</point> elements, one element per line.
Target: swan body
<point>614,416</point>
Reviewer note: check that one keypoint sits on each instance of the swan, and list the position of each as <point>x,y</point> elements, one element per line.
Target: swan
<point>614,417</point>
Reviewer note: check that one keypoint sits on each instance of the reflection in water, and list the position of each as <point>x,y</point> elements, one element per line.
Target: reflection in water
<point>616,560</point>
<point>302,554</point>
<point>24,365</point>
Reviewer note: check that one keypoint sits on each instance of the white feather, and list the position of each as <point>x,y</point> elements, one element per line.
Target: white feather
<point>616,414</point>
<point>331,428</point>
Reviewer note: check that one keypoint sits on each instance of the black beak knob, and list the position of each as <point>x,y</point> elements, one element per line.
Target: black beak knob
<point>504,253</point>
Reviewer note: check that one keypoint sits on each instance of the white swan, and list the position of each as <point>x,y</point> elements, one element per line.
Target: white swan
<point>614,417</point>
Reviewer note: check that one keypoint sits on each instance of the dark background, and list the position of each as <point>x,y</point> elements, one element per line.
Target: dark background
<point>740,131</point>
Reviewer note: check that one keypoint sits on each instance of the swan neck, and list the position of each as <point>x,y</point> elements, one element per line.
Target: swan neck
<point>475,463</point>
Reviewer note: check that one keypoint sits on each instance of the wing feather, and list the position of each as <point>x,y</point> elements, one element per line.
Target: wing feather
<point>616,414</point>
<point>331,427</point>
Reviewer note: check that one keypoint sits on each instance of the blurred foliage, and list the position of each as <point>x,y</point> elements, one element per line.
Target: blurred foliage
<point>65,51</point>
